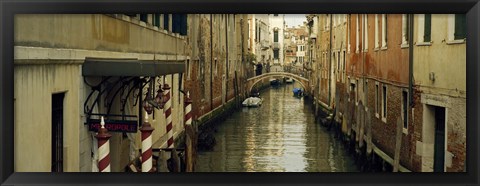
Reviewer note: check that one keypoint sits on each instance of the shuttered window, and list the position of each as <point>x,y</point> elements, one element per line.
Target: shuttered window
<point>156,20</point>
<point>460,26</point>
<point>275,36</point>
<point>165,21</point>
<point>176,23</point>
<point>183,25</point>
<point>428,28</point>
<point>144,17</point>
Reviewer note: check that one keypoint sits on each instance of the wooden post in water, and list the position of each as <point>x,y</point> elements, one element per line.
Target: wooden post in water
<point>189,134</point>
<point>398,145</point>
<point>368,123</point>
<point>360,124</point>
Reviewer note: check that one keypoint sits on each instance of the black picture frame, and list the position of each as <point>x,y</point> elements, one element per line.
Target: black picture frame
<point>8,8</point>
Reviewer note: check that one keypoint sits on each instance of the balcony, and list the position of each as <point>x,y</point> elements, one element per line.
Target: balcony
<point>265,44</point>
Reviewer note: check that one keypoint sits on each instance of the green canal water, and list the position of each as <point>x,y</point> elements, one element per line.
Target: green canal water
<point>279,136</point>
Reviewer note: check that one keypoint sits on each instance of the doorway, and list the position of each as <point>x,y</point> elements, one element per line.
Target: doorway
<point>57,132</point>
<point>439,146</point>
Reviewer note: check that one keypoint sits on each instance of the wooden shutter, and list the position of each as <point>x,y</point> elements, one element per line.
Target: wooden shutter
<point>428,28</point>
<point>460,26</point>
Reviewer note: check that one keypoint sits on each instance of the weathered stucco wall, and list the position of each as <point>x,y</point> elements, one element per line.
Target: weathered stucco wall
<point>33,89</point>
<point>93,32</point>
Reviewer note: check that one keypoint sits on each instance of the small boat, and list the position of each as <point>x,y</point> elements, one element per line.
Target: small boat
<point>288,80</point>
<point>297,92</point>
<point>252,102</point>
<point>274,82</point>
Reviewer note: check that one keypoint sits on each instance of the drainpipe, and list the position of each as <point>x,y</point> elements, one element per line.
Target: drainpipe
<point>330,64</point>
<point>211,62</point>
<point>410,58</point>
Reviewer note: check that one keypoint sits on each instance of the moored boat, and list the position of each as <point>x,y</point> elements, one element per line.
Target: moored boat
<point>252,102</point>
<point>288,80</point>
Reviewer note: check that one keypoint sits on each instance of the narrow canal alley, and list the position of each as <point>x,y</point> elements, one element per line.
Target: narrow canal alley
<point>163,92</point>
<point>279,136</point>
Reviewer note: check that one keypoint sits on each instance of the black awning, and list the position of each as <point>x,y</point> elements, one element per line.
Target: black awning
<point>130,67</point>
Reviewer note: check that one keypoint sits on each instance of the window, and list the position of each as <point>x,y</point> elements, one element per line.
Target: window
<point>166,18</point>
<point>405,109</point>
<point>216,67</point>
<point>57,132</point>
<point>338,66</point>
<point>384,31</point>
<point>460,26</point>
<point>356,93</point>
<point>376,31</point>
<point>377,99</point>
<point>275,36</point>
<point>405,30</point>
<point>183,24</point>
<point>427,28</point>
<point>275,54</point>
<point>176,22</point>
<point>156,20</point>
<point>259,34</point>
<point>352,90</point>
<point>348,34</point>
<point>357,30</point>
<point>384,102</point>
<point>365,32</point>
<point>144,18</point>
<point>275,14</point>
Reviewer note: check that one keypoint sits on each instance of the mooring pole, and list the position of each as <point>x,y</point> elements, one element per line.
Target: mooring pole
<point>103,148</point>
<point>168,115</point>
<point>146,145</point>
<point>189,134</point>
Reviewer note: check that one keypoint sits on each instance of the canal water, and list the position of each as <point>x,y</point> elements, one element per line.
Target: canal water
<point>279,136</point>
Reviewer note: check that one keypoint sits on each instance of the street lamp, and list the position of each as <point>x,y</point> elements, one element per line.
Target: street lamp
<point>147,102</point>
<point>159,97</point>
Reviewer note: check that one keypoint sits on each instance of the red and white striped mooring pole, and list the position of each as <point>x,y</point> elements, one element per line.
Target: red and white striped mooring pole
<point>146,145</point>
<point>188,110</point>
<point>168,115</point>
<point>103,148</point>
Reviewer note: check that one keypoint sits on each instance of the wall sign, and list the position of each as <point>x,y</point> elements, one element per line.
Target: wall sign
<point>129,126</point>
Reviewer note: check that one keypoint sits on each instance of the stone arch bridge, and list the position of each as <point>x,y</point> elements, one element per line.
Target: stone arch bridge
<point>251,82</point>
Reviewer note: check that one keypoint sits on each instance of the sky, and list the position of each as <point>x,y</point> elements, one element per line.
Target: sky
<point>294,20</point>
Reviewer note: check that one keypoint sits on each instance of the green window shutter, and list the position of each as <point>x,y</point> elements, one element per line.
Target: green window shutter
<point>407,28</point>
<point>460,26</point>
<point>428,28</point>
<point>144,17</point>
<point>184,25</point>
<point>386,28</point>
<point>165,21</point>
<point>157,20</point>
<point>276,54</point>
<point>275,38</point>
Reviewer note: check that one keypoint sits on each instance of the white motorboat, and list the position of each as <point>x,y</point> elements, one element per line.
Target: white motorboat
<point>289,80</point>
<point>252,102</point>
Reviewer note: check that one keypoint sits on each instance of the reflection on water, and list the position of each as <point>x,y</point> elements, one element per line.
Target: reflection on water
<point>279,136</point>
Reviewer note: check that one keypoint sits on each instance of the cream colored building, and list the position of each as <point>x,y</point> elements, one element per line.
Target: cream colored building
<point>439,72</point>
<point>50,51</point>
<point>260,39</point>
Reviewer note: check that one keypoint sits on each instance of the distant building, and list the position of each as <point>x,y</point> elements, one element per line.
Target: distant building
<point>277,28</point>
<point>260,39</point>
